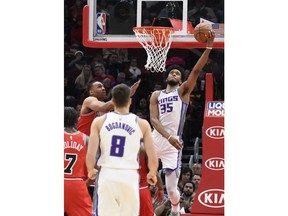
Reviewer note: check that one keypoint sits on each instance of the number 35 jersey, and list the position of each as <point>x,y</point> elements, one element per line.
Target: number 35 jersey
<point>172,112</point>
<point>120,138</point>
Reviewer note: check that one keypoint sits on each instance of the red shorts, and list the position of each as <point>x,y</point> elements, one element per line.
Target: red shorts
<point>77,200</point>
<point>146,207</point>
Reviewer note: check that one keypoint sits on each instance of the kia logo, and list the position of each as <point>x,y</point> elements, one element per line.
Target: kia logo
<point>215,132</point>
<point>212,198</point>
<point>215,163</point>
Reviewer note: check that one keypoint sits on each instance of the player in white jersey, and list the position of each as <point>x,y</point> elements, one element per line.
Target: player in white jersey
<point>167,113</point>
<point>119,134</point>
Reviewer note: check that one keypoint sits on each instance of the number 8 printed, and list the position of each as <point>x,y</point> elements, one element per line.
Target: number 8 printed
<point>117,146</point>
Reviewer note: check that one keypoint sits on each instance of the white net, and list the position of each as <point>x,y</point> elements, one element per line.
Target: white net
<point>156,41</point>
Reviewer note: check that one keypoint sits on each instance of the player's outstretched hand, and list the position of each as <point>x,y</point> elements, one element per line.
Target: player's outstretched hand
<point>151,179</point>
<point>210,38</point>
<point>175,142</point>
<point>134,87</point>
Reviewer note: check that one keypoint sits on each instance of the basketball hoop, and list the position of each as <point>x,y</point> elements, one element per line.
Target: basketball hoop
<point>156,41</point>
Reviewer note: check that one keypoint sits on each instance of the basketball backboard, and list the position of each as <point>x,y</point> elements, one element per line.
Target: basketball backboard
<point>109,23</point>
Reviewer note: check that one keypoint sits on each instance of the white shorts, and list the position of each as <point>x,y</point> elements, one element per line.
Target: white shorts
<point>117,193</point>
<point>169,155</point>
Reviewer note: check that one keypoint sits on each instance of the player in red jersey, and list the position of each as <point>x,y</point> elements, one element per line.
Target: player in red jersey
<point>146,206</point>
<point>94,105</point>
<point>77,201</point>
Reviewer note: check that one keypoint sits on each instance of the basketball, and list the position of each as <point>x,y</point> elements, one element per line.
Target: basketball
<point>200,32</point>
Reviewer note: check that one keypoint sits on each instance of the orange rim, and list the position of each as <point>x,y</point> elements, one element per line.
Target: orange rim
<point>151,29</point>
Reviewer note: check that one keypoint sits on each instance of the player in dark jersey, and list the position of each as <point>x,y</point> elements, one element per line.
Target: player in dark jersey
<point>94,105</point>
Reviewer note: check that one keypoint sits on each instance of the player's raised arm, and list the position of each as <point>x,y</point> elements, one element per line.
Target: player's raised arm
<point>134,87</point>
<point>98,106</point>
<point>187,87</point>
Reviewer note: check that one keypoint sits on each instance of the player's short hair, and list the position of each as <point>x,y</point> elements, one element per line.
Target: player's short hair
<point>70,116</point>
<point>89,87</point>
<point>172,67</point>
<point>121,95</point>
<point>90,84</point>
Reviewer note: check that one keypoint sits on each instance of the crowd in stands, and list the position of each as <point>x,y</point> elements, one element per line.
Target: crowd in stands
<point>80,69</point>
<point>113,66</point>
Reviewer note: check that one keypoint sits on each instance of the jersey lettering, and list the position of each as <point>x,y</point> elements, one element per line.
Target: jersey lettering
<point>168,99</point>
